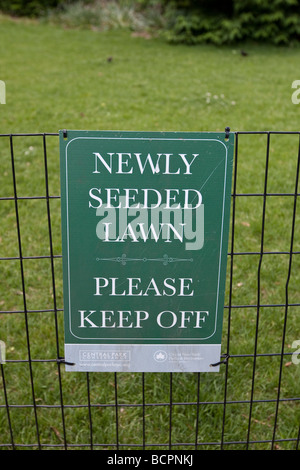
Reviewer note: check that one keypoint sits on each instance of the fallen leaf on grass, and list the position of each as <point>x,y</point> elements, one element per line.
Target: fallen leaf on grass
<point>56,432</point>
<point>258,422</point>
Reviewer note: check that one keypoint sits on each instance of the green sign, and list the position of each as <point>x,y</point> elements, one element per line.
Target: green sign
<point>145,222</point>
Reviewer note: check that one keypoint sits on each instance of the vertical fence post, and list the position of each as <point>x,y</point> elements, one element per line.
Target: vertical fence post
<point>259,285</point>
<point>234,185</point>
<point>287,296</point>
<point>53,286</point>
<point>23,288</point>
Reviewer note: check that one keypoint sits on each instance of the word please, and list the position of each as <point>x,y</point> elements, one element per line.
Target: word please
<point>135,287</point>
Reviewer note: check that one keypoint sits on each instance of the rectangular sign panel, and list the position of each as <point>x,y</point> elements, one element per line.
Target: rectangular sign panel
<point>145,222</point>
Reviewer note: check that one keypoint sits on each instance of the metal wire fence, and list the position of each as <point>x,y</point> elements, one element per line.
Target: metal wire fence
<point>252,403</point>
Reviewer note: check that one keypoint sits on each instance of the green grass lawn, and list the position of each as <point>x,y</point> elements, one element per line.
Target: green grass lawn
<point>58,78</point>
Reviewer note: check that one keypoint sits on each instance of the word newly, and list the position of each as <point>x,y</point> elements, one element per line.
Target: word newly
<point>128,163</point>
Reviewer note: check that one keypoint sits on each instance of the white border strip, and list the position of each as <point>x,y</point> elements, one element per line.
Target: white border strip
<point>142,357</point>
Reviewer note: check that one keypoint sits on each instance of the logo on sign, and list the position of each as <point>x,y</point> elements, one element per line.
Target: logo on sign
<point>160,356</point>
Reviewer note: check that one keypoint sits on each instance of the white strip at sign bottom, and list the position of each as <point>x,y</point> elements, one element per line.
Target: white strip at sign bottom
<point>142,358</point>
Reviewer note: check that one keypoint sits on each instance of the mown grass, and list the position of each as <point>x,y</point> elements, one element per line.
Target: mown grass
<point>62,78</point>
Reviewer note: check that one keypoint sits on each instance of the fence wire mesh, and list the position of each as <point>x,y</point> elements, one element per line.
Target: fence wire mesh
<point>252,403</point>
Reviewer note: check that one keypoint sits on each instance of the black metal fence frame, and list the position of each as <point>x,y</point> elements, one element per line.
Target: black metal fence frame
<point>228,309</point>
